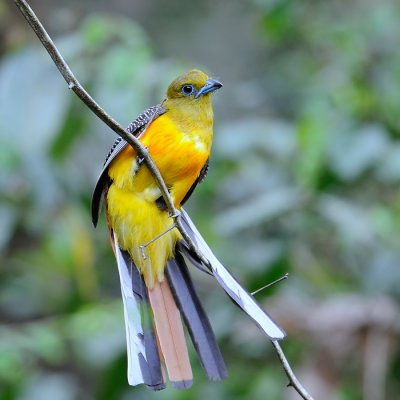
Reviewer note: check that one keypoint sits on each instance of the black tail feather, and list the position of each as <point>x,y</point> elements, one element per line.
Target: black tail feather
<point>183,248</point>
<point>195,318</point>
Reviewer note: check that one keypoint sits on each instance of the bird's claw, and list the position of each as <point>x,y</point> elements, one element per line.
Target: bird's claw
<point>176,214</point>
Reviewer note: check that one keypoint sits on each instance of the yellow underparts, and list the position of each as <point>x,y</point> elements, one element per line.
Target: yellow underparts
<point>133,213</point>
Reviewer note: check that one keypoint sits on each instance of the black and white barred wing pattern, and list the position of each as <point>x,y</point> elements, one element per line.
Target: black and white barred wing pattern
<point>231,286</point>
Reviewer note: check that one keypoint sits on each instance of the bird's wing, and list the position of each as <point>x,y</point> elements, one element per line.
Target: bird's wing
<point>231,286</point>
<point>201,177</point>
<point>137,127</point>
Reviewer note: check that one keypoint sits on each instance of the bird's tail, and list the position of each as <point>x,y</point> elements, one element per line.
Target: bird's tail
<point>170,335</point>
<point>195,318</point>
<point>144,364</point>
<point>231,286</point>
<point>154,328</point>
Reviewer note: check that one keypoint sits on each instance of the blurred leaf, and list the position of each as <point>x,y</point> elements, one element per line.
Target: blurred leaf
<point>312,135</point>
<point>73,128</point>
<point>25,116</point>
<point>98,333</point>
<point>350,219</point>
<point>278,21</point>
<point>388,168</point>
<point>8,220</point>
<point>55,386</point>
<point>257,210</point>
<point>352,153</point>
<point>274,137</point>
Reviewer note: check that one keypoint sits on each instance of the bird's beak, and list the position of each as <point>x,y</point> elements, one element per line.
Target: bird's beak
<point>210,86</point>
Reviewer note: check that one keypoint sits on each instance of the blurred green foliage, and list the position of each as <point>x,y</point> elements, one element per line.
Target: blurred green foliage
<point>304,179</point>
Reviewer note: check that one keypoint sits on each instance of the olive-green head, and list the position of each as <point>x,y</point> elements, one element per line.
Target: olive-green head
<point>194,85</point>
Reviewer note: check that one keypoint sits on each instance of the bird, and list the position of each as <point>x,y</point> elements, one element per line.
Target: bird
<point>156,286</point>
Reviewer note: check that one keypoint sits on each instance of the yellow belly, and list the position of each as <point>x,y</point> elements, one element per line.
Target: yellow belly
<point>131,207</point>
<point>136,222</point>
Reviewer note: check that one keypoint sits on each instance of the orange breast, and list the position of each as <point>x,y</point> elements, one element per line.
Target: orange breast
<point>179,156</point>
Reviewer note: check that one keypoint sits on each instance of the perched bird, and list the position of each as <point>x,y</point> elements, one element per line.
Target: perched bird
<point>155,282</point>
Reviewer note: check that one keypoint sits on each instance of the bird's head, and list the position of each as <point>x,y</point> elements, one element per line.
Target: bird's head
<point>191,90</point>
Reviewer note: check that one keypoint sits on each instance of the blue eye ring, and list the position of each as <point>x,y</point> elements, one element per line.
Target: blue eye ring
<point>188,90</point>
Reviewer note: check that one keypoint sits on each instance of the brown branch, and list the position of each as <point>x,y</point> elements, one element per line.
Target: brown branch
<point>83,95</point>
<point>279,280</point>
<point>293,381</point>
<point>141,150</point>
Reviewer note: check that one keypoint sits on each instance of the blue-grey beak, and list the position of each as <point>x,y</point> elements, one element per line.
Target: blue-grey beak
<point>210,86</point>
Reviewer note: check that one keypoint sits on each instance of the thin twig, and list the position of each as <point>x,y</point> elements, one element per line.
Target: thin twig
<point>282,278</point>
<point>141,150</point>
<point>293,381</point>
<point>159,236</point>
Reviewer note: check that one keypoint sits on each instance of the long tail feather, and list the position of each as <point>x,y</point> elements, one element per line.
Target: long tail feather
<point>143,359</point>
<point>183,248</point>
<point>195,319</point>
<point>231,286</point>
<point>171,335</point>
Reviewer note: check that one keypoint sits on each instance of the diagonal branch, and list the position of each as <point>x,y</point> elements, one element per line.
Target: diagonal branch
<point>141,150</point>
<point>83,95</point>
<point>293,381</point>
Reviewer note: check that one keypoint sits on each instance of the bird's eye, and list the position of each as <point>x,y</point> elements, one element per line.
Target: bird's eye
<point>187,90</point>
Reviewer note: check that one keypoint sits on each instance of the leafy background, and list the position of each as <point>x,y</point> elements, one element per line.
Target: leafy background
<point>304,179</point>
